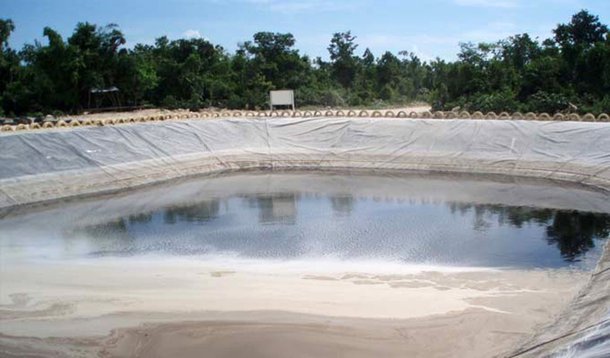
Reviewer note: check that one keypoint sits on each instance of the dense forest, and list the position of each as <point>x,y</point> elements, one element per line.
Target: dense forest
<point>571,70</point>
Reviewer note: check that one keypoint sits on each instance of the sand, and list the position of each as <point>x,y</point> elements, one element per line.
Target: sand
<point>155,307</point>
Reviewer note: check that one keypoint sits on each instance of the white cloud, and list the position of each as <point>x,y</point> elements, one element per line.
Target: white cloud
<point>488,3</point>
<point>192,34</point>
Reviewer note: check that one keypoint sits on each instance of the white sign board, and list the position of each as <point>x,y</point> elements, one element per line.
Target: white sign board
<point>282,98</point>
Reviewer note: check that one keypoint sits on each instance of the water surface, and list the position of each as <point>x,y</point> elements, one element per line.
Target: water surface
<point>407,219</point>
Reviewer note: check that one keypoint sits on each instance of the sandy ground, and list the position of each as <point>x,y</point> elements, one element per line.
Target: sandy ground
<point>159,308</point>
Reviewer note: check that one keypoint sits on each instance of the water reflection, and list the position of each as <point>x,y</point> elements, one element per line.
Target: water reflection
<point>197,213</point>
<point>573,232</point>
<point>342,204</point>
<point>275,209</point>
<point>288,225</point>
<point>112,230</point>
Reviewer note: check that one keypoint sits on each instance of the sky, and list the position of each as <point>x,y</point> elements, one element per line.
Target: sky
<point>429,28</point>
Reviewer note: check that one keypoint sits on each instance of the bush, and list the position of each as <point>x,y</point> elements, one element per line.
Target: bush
<point>194,104</point>
<point>236,102</point>
<point>307,96</point>
<point>170,102</point>
<point>603,106</point>
<point>597,107</point>
<point>35,114</point>
<point>547,102</point>
<point>354,100</point>
<point>387,93</point>
<point>495,102</point>
<point>366,95</point>
<point>459,102</point>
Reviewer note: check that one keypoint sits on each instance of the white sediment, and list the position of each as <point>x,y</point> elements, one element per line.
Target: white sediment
<point>36,294</point>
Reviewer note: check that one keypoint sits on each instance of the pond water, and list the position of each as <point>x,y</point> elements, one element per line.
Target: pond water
<point>403,219</point>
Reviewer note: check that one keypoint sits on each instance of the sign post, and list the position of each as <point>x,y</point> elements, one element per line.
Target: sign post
<point>281,98</point>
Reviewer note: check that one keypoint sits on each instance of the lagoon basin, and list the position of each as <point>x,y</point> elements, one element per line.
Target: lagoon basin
<point>332,245</point>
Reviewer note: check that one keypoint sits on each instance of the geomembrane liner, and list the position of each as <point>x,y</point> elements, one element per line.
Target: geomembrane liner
<point>45,165</point>
<point>61,163</point>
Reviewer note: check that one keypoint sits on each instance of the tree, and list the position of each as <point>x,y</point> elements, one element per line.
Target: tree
<point>344,63</point>
<point>584,30</point>
<point>6,27</point>
<point>576,38</point>
<point>517,73</point>
<point>10,91</point>
<point>389,70</point>
<point>96,51</point>
<point>519,50</point>
<point>274,57</point>
<point>137,74</point>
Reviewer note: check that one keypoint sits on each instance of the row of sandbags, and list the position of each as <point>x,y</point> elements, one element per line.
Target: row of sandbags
<point>330,113</point>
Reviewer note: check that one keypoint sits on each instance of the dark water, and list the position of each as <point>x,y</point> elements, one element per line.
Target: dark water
<point>345,225</point>
<point>289,226</point>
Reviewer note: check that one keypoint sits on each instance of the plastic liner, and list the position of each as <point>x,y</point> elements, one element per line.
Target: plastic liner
<point>47,165</point>
<point>54,164</point>
<point>583,329</point>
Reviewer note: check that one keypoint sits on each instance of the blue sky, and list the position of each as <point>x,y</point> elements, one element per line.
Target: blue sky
<point>429,28</point>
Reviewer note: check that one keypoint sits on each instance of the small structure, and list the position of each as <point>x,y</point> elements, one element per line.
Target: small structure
<point>281,98</point>
<point>104,97</point>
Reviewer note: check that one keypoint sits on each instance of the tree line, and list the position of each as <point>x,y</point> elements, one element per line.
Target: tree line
<point>570,70</point>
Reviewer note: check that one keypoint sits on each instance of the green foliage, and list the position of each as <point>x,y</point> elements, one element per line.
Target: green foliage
<point>547,102</point>
<point>170,102</point>
<point>344,62</point>
<point>517,73</point>
<point>597,106</point>
<point>494,102</point>
<point>521,74</point>
<point>6,27</point>
<point>585,30</point>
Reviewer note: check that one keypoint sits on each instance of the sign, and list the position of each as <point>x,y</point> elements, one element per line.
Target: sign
<point>282,98</point>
